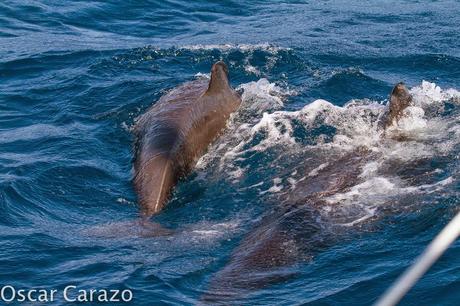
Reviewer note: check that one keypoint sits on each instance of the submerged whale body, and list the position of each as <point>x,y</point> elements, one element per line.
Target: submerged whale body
<point>176,131</point>
<point>294,228</point>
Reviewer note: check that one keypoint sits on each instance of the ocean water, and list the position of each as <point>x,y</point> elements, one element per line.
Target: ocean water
<point>315,77</point>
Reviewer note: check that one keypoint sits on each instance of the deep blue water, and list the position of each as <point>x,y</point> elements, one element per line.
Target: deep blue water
<point>74,76</point>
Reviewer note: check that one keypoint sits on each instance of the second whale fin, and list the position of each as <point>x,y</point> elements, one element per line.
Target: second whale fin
<point>219,79</point>
<point>400,99</point>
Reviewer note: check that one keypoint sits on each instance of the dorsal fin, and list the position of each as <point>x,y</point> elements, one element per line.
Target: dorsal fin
<point>400,99</point>
<point>219,78</point>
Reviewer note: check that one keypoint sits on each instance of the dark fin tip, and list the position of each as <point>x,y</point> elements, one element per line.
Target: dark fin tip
<point>219,77</point>
<point>217,65</point>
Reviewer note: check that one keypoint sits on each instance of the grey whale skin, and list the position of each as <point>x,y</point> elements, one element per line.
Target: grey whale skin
<point>176,131</point>
<point>293,228</point>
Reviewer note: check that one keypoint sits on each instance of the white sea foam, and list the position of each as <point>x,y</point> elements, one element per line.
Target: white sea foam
<point>263,95</point>
<point>241,47</point>
<point>356,123</point>
<point>261,126</point>
<point>251,69</point>
<point>277,187</point>
<point>429,93</point>
<point>209,231</point>
<point>201,75</point>
<point>315,171</point>
<point>258,99</point>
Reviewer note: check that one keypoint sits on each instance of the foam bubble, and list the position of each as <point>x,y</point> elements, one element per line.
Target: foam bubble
<point>315,171</point>
<point>251,69</point>
<point>412,123</point>
<point>277,187</point>
<point>427,93</point>
<point>371,187</point>
<point>263,95</point>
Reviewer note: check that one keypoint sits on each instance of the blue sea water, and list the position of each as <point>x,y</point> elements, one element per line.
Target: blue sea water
<point>74,76</point>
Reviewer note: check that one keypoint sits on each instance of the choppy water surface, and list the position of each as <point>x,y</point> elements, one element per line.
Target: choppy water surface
<point>316,76</point>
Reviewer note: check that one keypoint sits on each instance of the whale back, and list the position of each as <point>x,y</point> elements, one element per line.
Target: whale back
<point>211,113</point>
<point>174,133</point>
<point>292,231</point>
